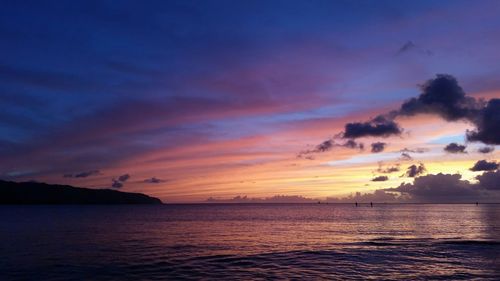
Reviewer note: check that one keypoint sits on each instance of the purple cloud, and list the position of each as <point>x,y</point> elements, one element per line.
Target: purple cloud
<point>455,148</point>
<point>483,165</point>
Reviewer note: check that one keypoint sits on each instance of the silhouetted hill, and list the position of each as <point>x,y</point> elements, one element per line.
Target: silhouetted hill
<point>42,193</point>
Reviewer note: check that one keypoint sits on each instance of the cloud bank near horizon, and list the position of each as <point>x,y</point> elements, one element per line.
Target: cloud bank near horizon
<point>432,188</point>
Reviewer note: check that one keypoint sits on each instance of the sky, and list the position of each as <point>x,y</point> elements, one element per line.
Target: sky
<point>189,100</point>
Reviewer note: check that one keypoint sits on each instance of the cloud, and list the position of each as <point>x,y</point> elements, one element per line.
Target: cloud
<point>405,157</point>
<point>489,180</point>
<point>441,96</point>
<point>388,170</point>
<point>124,178</point>
<point>486,149</point>
<point>83,174</point>
<point>154,180</point>
<point>353,144</point>
<point>324,146</point>
<point>379,126</point>
<point>487,124</point>
<point>406,47</point>
<point>414,170</point>
<point>378,147</point>
<point>455,148</point>
<point>451,188</point>
<point>415,150</point>
<point>273,199</point>
<point>435,188</point>
<point>438,188</point>
<point>483,165</point>
<point>380,178</point>
<point>118,183</point>
<point>378,196</point>
<point>410,46</point>
<point>444,97</point>
<point>329,145</point>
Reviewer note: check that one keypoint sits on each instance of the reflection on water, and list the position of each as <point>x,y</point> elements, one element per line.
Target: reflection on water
<point>250,242</point>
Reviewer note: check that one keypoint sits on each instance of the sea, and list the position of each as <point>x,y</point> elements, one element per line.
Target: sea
<point>251,242</point>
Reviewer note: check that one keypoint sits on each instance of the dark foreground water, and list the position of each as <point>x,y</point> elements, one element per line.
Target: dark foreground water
<point>244,242</point>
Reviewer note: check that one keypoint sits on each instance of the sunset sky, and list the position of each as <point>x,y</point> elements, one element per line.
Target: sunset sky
<point>186,100</point>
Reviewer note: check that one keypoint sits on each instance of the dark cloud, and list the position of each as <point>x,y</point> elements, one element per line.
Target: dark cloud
<point>380,178</point>
<point>410,46</point>
<point>489,180</point>
<point>415,150</point>
<point>329,145</point>
<point>405,157</point>
<point>451,188</point>
<point>379,126</point>
<point>438,188</point>
<point>353,144</point>
<point>487,124</point>
<point>483,165</point>
<point>83,174</point>
<point>378,147</point>
<point>123,178</point>
<point>455,148</point>
<point>414,170</point>
<point>388,170</point>
<point>154,180</point>
<point>444,97</point>
<point>324,146</point>
<point>406,47</point>
<point>118,183</point>
<point>486,149</point>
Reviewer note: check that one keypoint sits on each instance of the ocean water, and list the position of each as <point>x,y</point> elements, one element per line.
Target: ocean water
<point>250,242</point>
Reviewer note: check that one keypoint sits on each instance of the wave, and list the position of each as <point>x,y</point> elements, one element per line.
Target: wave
<point>471,242</point>
<point>390,241</point>
<point>383,258</point>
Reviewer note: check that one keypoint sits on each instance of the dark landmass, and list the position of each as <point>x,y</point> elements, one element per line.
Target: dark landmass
<point>42,193</point>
